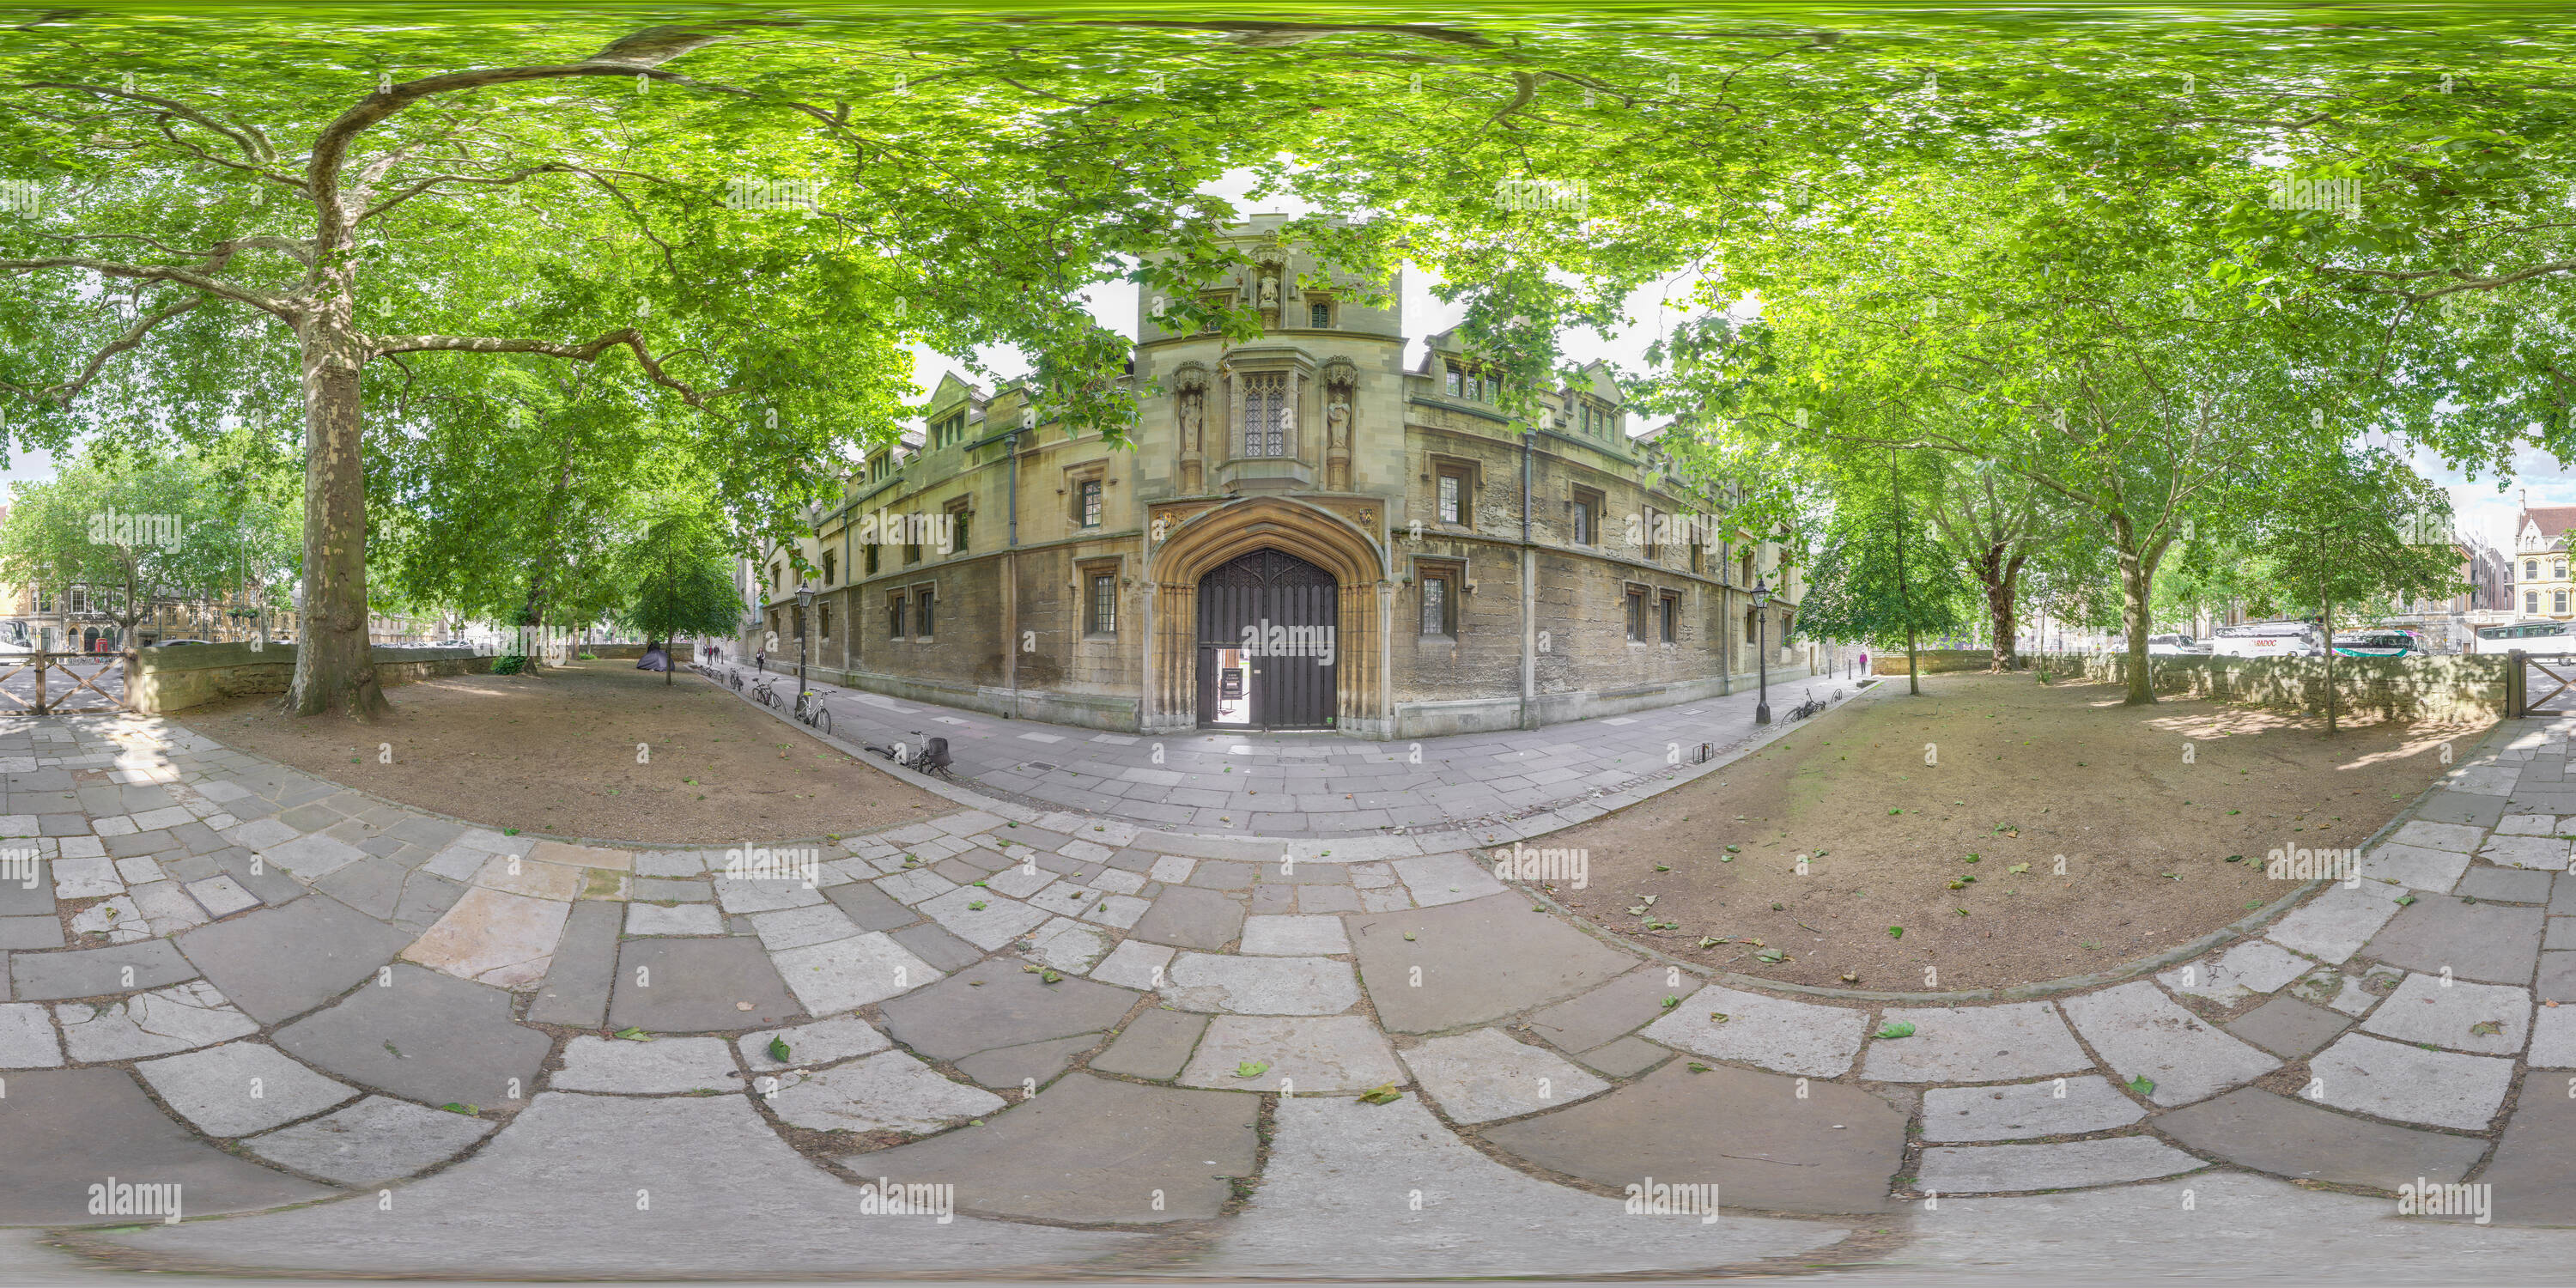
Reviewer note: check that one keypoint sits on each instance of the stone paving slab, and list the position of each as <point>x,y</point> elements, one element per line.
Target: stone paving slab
<point>1156,1044</point>
<point>1620,1006</point>
<point>1999,1169</point>
<point>2238,974</point>
<point>2553,1039</point>
<point>101,1118</point>
<point>2071,1106</point>
<point>2139,1031</point>
<point>1323,1055</point>
<point>2455,837</point>
<point>889,1091</point>
<point>1974,1044</point>
<point>997,921</point>
<point>376,1140</point>
<point>2424,1010</point>
<point>426,1036</point>
<point>493,937</point>
<point>1261,985</point>
<point>2533,1184</point>
<point>683,919</point>
<point>1068,946</point>
<point>280,962</point>
<point>2333,925</point>
<point>2492,942</point>
<point>1625,1058</point>
<point>2505,885</point>
<point>1832,1152</point>
<point>165,1020</point>
<point>1029,1065</point>
<point>996,1004</point>
<point>663,1066</point>
<point>2538,853</point>
<point>582,971</point>
<point>240,1088</point>
<point>2391,870</point>
<point>2288,1027</point>
<point>1090,1150</point>
<point>1480,961</point>
<point>1774,1033</point>
<point>27,1037</point>
<point>1484,1075</point>
<point>98,972</point>
<point>726,1194</point>
<point>697,986</point>
<point>1295,936</point>
<point>1337,1167</point>
<point>1135,964</point>
<point>2277,1134</point>
<point>2409,1084</point>
<point>811,1045</point>
<point>1189,917</point>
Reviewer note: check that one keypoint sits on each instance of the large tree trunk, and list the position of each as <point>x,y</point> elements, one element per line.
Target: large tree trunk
<point>2000,576</point>
<point>2137,582</point>
<point>334,666</point>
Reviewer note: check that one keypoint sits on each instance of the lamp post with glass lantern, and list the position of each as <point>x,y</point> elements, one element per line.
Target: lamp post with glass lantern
<point>804,629</point>
<point>1762,650</point>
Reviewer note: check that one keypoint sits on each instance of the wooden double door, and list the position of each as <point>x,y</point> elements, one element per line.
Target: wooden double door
<point>1268,644</point>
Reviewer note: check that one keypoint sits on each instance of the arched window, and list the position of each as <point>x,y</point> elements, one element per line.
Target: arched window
<point>2531,570</point>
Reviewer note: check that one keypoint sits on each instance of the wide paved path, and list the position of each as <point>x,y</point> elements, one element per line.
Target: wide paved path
<point>1321,784</point>
<point>364,1040</point>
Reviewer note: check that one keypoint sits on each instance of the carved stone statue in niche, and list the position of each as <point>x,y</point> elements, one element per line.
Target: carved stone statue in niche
<point>1341,390</point>
<point>1189,415</point>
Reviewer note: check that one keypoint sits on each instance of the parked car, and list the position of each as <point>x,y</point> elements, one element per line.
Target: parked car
<point>2268,639</point>
<point>176,643</point>
<point>2376,643</point>
<point>2543,637</point>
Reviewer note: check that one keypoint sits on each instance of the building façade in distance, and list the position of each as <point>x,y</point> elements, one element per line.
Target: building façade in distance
<point>1305,534</point>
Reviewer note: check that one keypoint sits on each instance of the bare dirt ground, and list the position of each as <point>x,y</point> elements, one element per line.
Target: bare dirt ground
<point>2027,773</point>
<point>556,753</point>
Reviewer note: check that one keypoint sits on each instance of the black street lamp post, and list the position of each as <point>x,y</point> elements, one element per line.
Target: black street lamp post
<point>1762,650</point>
<point>804,629</point>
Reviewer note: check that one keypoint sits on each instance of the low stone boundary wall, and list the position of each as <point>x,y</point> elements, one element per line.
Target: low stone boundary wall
<point>162,680</point>
<point>1935,660</point>
<point>2408,688</point>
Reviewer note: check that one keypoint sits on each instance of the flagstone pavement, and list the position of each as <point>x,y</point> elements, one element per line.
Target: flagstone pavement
<point>363,1039</point>
<point>1323,784</point>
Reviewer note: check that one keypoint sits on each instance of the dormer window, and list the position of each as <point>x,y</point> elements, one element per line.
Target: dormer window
<point>948,430</point>
<point>1455,377</point>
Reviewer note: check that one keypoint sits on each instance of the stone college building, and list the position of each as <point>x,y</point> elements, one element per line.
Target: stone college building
<point>1306,534</point>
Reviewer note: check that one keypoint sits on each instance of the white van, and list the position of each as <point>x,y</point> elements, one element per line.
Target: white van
<point>2268,639</point>
<point>2542,637</point>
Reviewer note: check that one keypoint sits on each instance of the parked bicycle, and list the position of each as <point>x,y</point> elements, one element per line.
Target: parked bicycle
<point>811,712</point>
<point>762,694</point>
<point>931,759</point>
<point>1811,707</point>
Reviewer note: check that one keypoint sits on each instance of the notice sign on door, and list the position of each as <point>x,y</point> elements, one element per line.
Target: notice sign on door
<point>1230,683</point>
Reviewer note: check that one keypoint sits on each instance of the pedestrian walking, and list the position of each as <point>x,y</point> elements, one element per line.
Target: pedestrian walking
<point>1864,661</point>
<point>760,662</point>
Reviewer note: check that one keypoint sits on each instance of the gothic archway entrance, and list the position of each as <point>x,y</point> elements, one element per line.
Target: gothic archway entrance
<point>1268,643</point>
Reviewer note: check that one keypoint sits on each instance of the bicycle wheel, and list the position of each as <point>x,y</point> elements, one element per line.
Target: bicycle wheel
<point>822,720</point>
